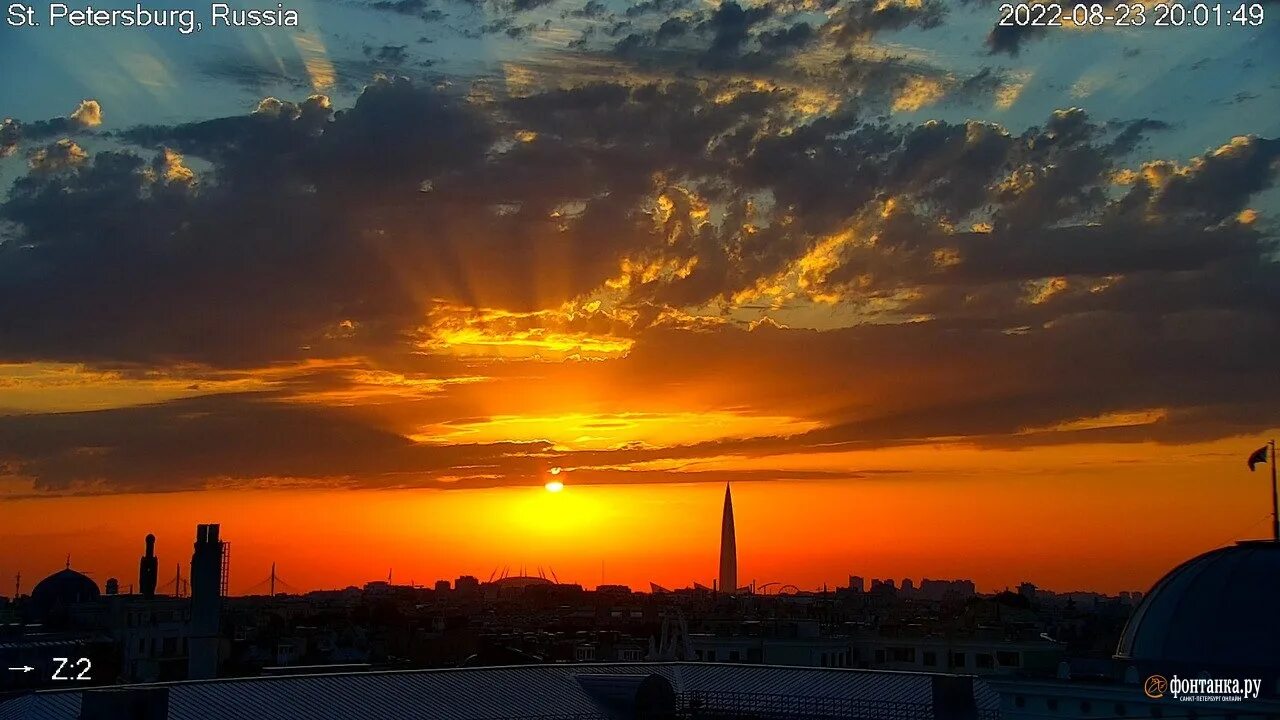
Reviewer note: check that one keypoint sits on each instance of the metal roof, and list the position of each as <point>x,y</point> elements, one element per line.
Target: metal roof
<point>526,691</point>
<point>1214,611</point>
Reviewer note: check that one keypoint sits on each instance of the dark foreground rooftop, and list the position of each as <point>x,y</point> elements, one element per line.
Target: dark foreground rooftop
<point>580,692</point>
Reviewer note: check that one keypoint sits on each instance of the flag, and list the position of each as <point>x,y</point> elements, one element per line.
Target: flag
<point>1258,456</point>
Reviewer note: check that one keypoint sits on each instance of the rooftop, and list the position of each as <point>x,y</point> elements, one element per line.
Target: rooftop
<point>539,691</point>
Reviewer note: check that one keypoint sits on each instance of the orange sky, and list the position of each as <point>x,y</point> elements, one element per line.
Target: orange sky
<point>921,337</point>
<point>1084,517</point>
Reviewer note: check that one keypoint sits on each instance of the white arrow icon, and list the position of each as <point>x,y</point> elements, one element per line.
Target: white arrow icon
<point>24,668</point>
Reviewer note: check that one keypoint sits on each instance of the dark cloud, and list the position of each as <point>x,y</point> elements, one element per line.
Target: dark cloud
<point>730,25</point>
<point>732,35</point>
<point>997,389</point>
<point>660,7</point>
<point>58,157</point>
<point>1135,132</point>
<point>509,27</point>
<point>860,19</point>
<point>950,165</point>
<point>786,39</point>
<point>261,262</point>
<point>427,10</point>
<point>670,29</point>
<point>1009,39</point>
<point>714,39</point>
<point>526,5</point>
<point>1058,282</point>
<point>86,116</point>
<point>1219,183</point>
<point>256,439</point>
<point>387,54</point>
<point>993,385</point>
<point>759,36</point>
<point>188,444</point>
<point>592,10</point>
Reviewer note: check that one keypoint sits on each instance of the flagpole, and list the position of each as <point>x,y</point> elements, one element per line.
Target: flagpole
<point>1275,503</point>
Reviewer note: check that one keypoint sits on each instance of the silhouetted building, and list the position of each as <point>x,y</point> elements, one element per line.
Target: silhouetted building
<point>153,635</point>
<point>885,587</point>
<point>147,569</point>
<point>1214,614</point>
<point>516,583</point>
<point>728,547</point>
<point>939,589</point>
<point>206,603</point>
<point>789,642</point>
<point>54,595</point>
<point>113,587</point>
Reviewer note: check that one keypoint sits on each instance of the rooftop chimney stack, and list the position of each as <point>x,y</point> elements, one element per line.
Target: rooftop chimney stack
<point>206,604</point>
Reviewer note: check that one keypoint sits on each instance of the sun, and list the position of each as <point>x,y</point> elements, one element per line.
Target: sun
<point>554,486</point>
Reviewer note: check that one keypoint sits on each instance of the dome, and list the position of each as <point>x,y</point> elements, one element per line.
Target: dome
<point>1217,610</point>
<point>62,589</point>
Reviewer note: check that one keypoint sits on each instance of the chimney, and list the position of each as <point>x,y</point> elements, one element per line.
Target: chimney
<point>206,604</point>
<point>953,698</point>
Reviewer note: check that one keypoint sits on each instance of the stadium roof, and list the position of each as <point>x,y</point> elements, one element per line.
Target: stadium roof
<point>528,691</point>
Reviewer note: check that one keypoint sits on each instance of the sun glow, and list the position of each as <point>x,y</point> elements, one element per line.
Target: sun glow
<point>521,344</point>
<point>554,486</point>
<point>612,430</point>
<point>566,333</point>
<point>528,516</point>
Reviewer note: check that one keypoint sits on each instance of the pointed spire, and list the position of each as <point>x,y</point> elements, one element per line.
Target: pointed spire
<point>728,546</point>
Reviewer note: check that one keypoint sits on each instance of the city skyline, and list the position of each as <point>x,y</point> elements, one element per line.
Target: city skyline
<point>163,573</point>
<point>547,527</point>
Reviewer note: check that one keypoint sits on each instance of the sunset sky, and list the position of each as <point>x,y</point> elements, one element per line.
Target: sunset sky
<point>939,300</point>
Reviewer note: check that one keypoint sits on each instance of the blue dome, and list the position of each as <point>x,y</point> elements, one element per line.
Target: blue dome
<point>1217,610</point>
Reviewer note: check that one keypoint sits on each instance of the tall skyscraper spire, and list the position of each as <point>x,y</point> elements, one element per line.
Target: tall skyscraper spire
<point>728,547</point>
